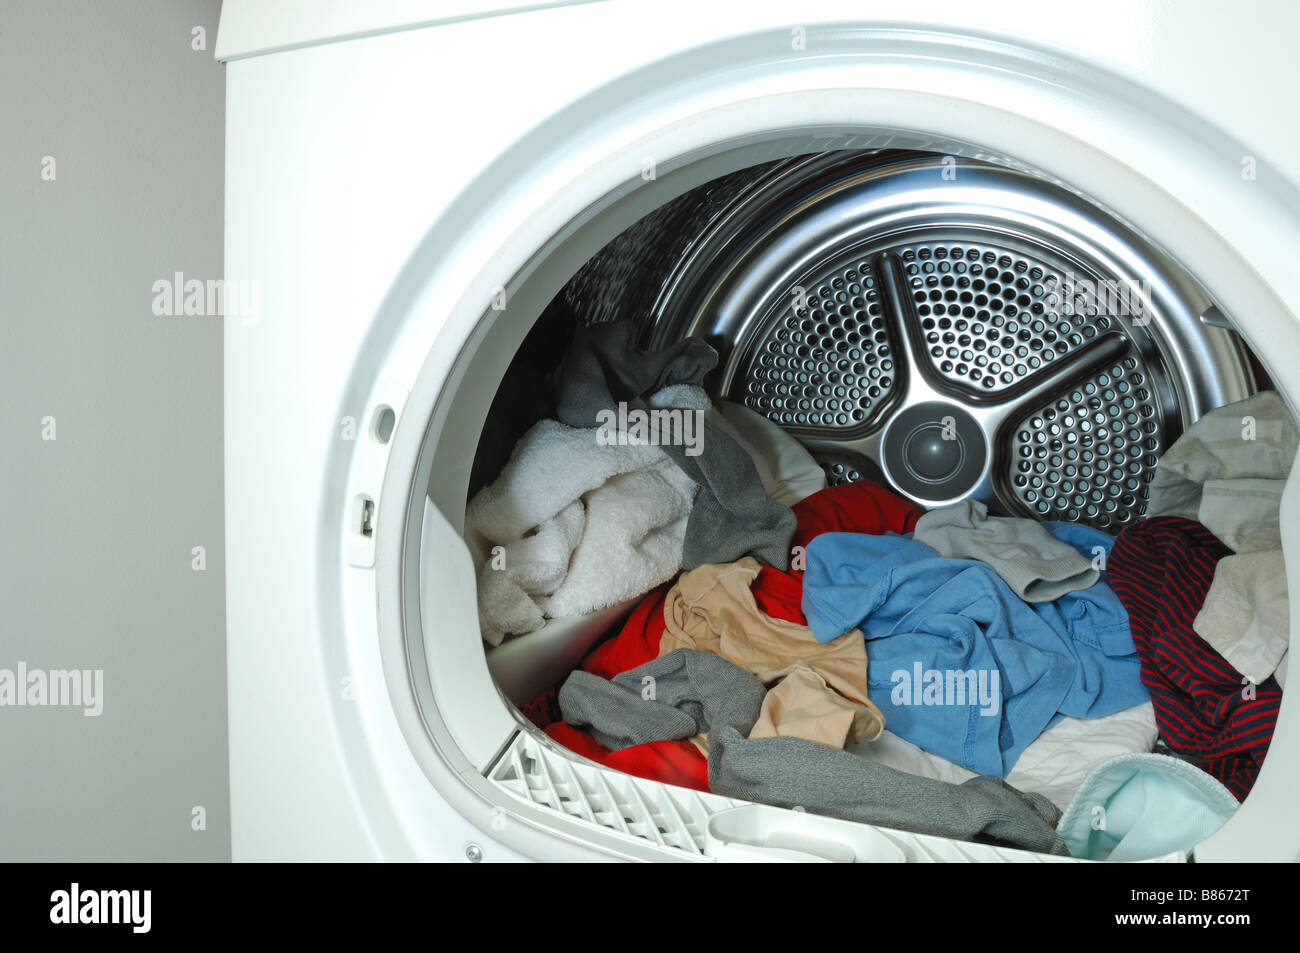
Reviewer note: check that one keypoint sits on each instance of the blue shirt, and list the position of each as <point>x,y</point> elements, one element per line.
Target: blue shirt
<point>923,613</point>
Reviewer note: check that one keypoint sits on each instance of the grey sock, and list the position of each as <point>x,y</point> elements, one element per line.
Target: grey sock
<point>1037,566</point>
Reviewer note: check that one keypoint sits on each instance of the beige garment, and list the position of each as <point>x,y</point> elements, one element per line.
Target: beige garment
<point>817,692</point>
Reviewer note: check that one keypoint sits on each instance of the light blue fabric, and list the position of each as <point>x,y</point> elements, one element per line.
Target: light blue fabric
<point>1139,806</point>
<point>923,612</point>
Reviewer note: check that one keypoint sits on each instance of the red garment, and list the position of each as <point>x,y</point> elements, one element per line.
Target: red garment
<point>860,507</point>
<point>849,508</point>
<point>637,642</point>
<point>672,762</point>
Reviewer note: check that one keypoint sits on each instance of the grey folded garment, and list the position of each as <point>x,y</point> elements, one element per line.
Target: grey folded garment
<point>1037,566</point>
<point>733,516</point>
<point>676,696</point>
<point>1227,470</point>
<point>687,691</point>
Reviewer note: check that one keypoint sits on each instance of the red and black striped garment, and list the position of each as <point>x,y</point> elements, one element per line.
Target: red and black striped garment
<point>1161,569</point>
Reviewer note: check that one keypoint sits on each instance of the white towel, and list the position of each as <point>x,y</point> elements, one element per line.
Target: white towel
<point>580,527</point>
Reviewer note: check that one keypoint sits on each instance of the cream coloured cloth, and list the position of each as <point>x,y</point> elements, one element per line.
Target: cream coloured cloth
<point>1246,614</point>
<point>816,691</point>
<point>1228,471</point>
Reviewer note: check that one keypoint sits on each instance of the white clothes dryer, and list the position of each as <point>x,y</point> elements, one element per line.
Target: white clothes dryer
<point>412,184</point>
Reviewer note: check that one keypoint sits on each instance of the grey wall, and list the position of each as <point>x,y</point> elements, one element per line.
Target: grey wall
<point>99,523</point>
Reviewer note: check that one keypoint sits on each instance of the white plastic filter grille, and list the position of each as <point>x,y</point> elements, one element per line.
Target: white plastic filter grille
<point>669,817</point>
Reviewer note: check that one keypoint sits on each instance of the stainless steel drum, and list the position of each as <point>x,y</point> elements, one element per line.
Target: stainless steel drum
<point>956,328</point>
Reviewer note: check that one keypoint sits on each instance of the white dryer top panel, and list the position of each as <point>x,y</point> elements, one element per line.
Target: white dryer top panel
<point>252,27</point>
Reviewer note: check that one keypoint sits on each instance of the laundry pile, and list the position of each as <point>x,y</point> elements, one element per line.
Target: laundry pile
<point>954,672</point>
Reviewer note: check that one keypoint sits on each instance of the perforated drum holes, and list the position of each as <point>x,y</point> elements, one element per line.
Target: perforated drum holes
<point>847,467</point>
<point>839,472</point>
<point>829,364</point>
<point>992,318</point>
<point>1089,455</point>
